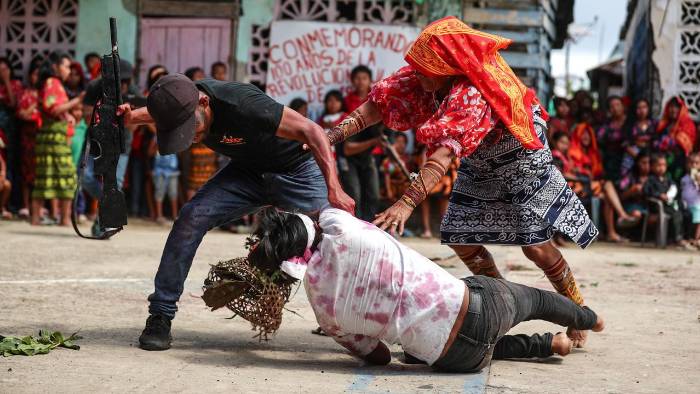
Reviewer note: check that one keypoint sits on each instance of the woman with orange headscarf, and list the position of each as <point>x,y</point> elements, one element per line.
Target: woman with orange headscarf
<point>676,136</point>
<point>464,101</point>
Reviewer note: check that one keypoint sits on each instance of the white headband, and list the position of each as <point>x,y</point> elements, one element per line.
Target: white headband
<point>296,266</point>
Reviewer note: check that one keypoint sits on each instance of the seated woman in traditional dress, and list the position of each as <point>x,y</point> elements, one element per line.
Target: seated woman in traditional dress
<point>366,288</point>
<point>464,101</point>
<point>675,136</point>
<point>588,164</point>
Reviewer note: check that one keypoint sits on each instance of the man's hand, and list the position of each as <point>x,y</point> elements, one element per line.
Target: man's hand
<point>339,199</point>
<point>124,110</point>
<point>394,217</point>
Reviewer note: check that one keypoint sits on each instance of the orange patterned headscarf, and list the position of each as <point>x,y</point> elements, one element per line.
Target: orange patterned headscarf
<point>683,131</point>
<point>585,158</point>
<point>449,47</point>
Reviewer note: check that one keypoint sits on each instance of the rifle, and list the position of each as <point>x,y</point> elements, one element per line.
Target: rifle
<point>105,141</point>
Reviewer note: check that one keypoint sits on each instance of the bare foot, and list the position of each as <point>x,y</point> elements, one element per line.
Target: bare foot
<point>561,344</point>
<point>599,325</point>
<point>577,336</point>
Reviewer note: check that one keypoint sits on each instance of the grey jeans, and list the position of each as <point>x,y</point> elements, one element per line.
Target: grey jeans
<point>495,306</point>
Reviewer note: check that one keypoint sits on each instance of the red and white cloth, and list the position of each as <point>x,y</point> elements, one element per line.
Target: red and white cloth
<point>364,286</point>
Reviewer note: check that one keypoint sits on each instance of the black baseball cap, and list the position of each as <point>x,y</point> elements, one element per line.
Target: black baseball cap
<point>171,103</point>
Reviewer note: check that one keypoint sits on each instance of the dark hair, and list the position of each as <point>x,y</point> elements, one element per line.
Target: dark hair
<point>189,73</point>
<point>217,64</point>
<point>559,135</point>
<point>46,69</point>
<point>656,157</point>
<point>360,69</point>
<point>335,94</point>
<point>151,79</point>
<point>75,66</point>
<point>9,65</point>
<point>33,66</point>
<point>675,100</point>
<point>400,135</point>
<point>559,100</point>
<point>89,56</point>
<point>614,97</point>
<point>278,236</point>
<point>297,103</point>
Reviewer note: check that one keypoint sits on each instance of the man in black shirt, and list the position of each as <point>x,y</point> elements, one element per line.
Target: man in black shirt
<point>268,167</point>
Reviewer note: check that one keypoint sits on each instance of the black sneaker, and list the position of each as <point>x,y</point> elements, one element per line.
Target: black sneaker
<point>156,334</point>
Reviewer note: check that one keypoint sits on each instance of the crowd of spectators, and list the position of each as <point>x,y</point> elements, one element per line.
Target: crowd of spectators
<point>624,164</point>
<point>629,166</point>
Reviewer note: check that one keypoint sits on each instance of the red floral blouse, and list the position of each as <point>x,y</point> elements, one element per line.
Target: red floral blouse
<point>50,96</point>
<point>459,123</point>
<point>28,106</point>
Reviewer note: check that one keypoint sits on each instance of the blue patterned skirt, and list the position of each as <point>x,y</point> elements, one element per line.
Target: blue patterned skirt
<point>508,195</point>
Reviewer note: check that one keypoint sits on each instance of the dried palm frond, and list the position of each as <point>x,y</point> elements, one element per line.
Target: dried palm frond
<point>249,293</point>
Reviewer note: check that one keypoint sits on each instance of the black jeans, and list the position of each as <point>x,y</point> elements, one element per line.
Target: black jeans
<point>360,180</point>
<point>495,306</point>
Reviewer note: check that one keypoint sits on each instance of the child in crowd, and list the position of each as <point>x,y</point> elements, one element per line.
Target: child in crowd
<point>560,151</point>
<point>79,135</point>
<point>165,180</point>
<point>202,166</point>
<point>219,71</point>
<point>632,186</point>
<point>640,132</point>
<point>79,132</point>
<point>395,181</point>
<point>334,109</point>
<point>690,188</point>
<point>661,186</point>
<point>300,105</point>
<point>5,185</point>
<point>563,121</point>
<point>441,191</point>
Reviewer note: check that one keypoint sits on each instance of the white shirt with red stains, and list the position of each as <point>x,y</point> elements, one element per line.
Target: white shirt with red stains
<point>364,286</point>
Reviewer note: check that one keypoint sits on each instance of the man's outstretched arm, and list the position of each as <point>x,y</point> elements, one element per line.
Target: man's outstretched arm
<point>296,127</point>
<point>364,116</point>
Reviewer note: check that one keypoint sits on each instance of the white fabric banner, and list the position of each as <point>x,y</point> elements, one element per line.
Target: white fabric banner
<point>308,59</point>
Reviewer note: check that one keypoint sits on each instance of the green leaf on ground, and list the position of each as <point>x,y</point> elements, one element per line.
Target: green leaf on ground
<point>626,264</point>
<point>41,344</point>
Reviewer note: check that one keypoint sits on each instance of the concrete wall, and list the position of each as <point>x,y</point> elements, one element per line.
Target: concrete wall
<point>93,27</point>
<point>255,12</point>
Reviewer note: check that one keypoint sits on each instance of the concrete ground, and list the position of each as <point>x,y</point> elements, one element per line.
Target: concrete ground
<point>51,279</point>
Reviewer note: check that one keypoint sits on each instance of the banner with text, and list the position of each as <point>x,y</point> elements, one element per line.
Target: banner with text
<point>308,59</point>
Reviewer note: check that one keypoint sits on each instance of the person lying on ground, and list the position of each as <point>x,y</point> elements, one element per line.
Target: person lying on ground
<point>367,289</point>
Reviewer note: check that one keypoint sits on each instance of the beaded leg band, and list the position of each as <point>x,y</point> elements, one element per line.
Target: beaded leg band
<point>563,281</point>
<point>480,262</point>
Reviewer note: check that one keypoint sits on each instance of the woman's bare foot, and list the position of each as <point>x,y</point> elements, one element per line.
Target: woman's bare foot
<point>561,344</point>
<point>599,325</point>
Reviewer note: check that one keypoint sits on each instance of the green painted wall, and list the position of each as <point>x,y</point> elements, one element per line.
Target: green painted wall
<point>93,27</point>
<point>255,12</point>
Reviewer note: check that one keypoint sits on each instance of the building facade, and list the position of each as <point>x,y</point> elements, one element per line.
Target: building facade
<point>662,52</point>
<point>185,33</point>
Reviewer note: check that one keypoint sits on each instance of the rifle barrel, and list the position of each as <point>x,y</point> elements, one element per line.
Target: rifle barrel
<point>115,58</point>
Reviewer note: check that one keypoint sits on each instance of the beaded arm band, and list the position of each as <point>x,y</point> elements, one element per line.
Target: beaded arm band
<point>351,125</point>
<point>427,178</point>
